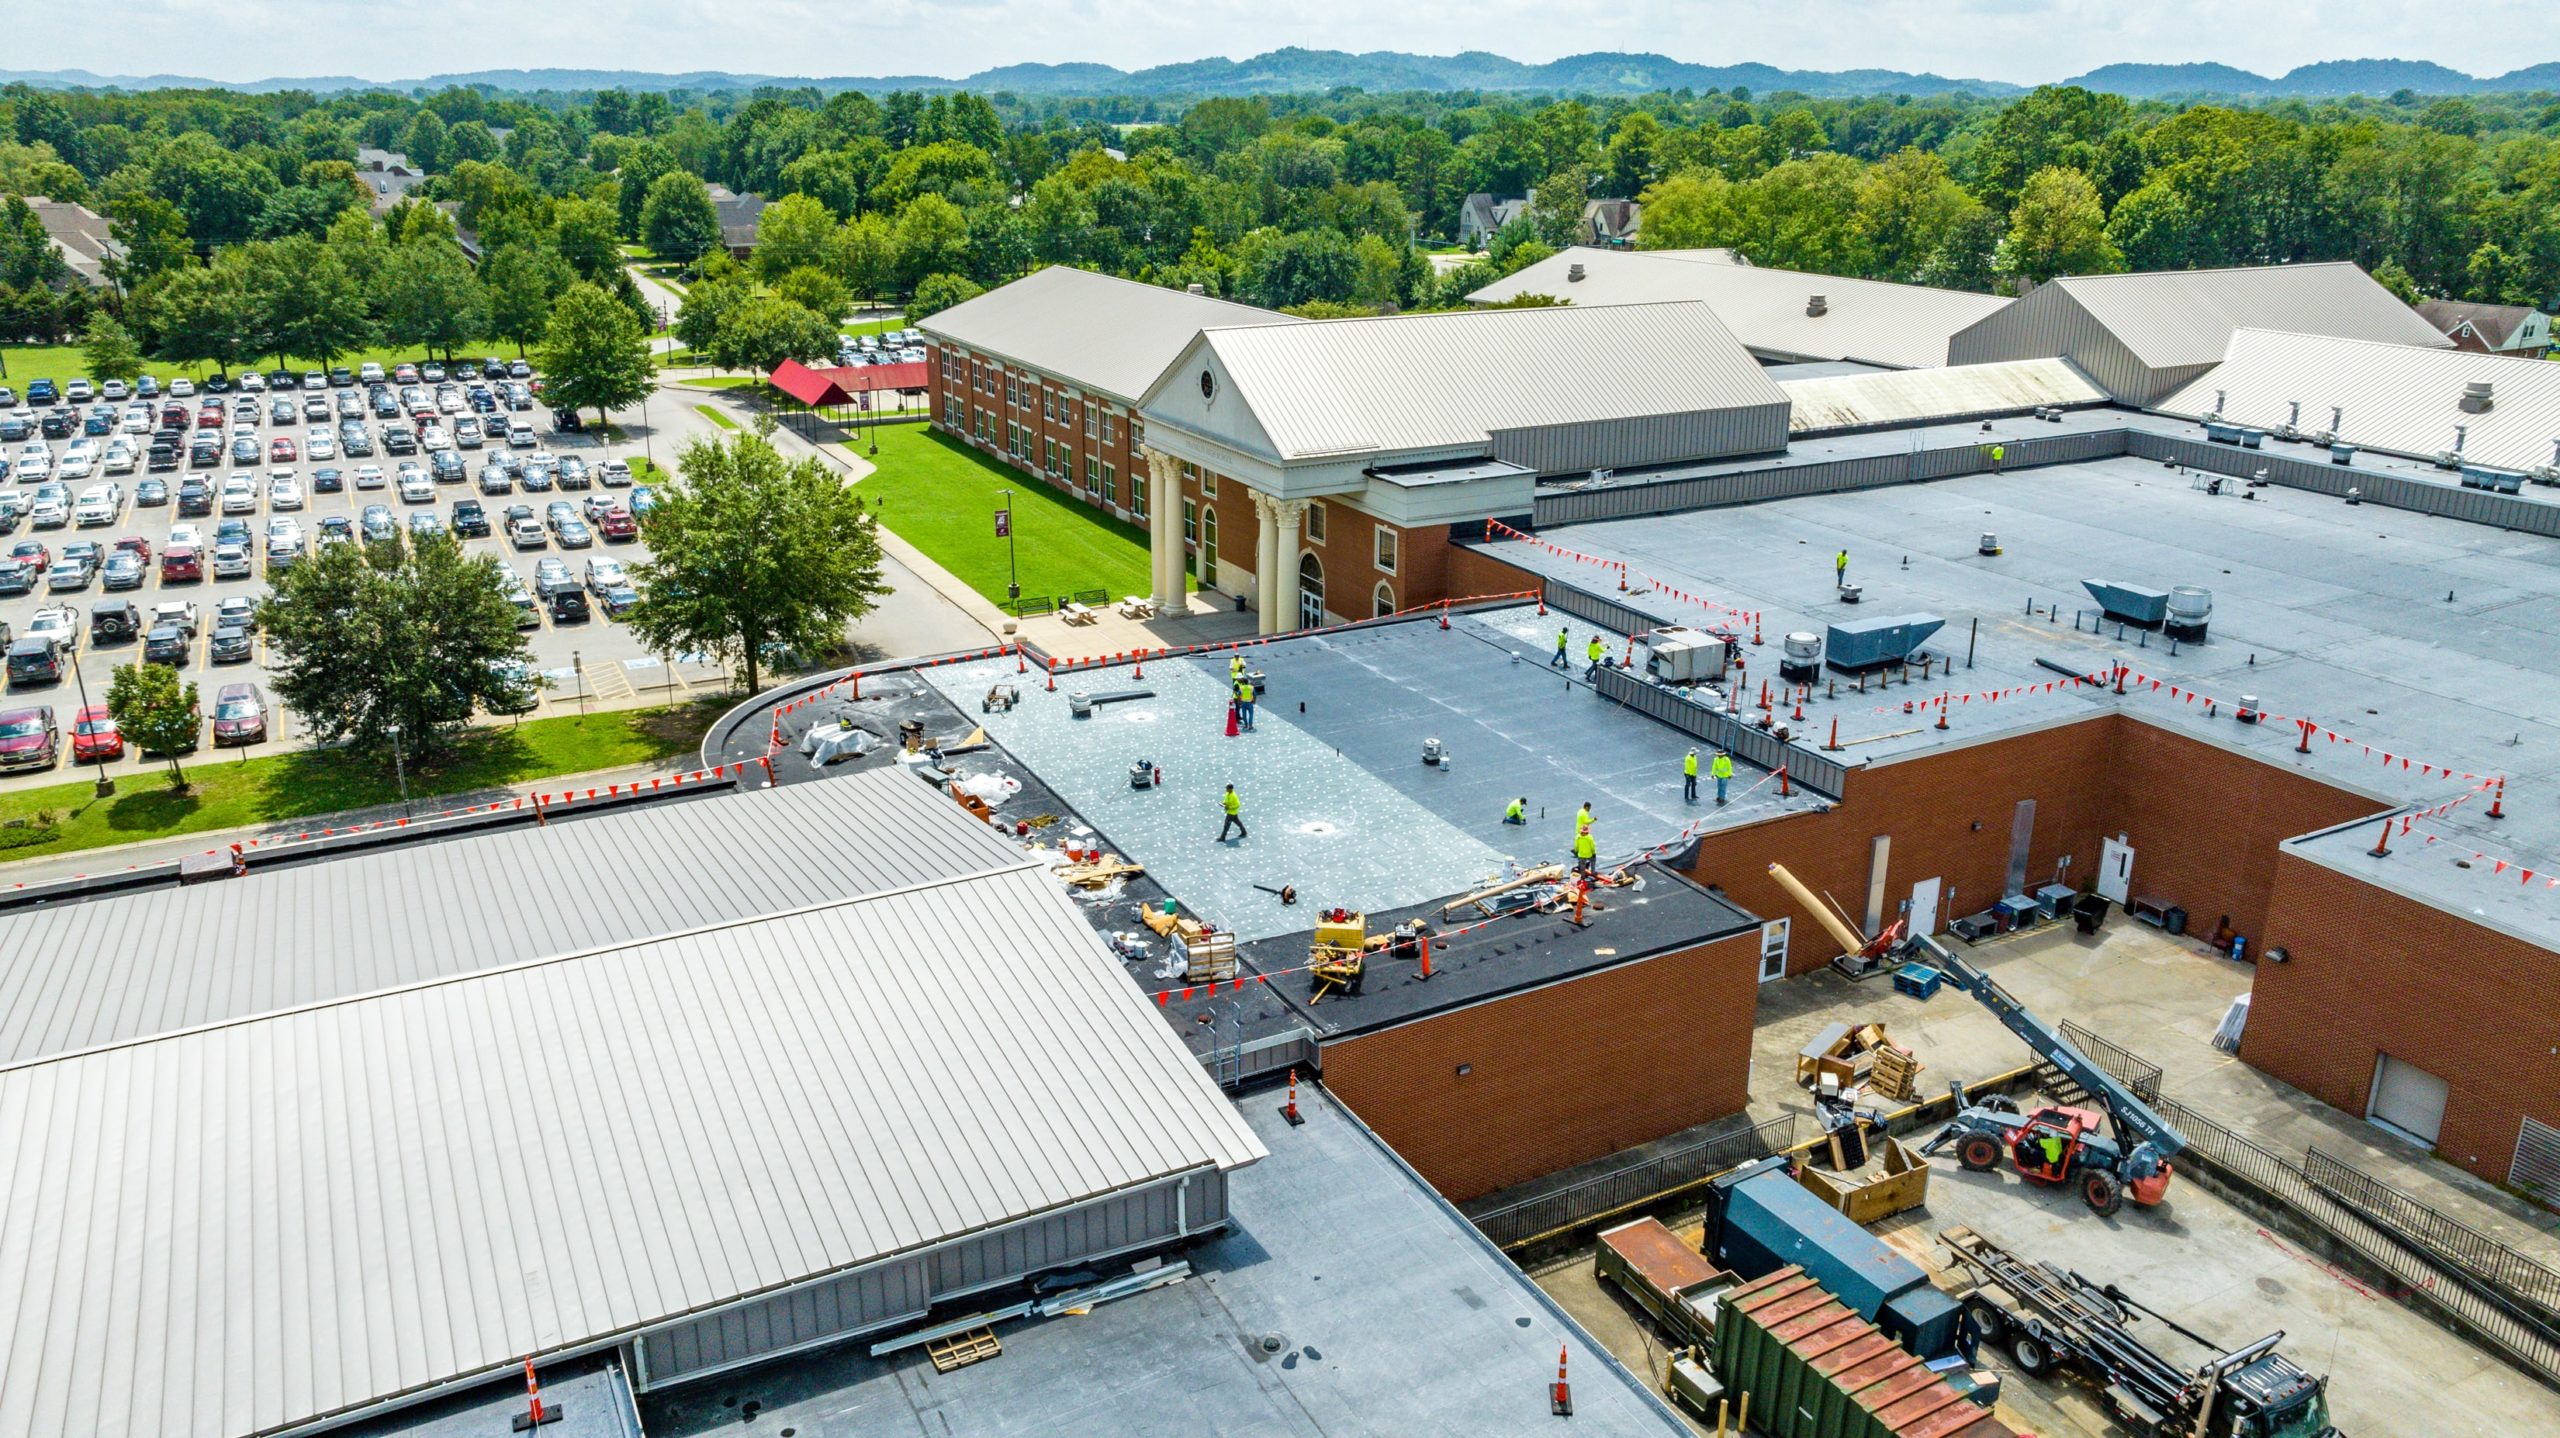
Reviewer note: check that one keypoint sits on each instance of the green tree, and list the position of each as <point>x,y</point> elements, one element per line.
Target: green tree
<point>641,166</point>
<point>582,232</point>
<point>1555,208</point>
<point>752,554</point>
<point>706,308</point>
<point>27,256</point>
<point>306,302</point>
<point>156,711</point>
<point>357,647</point>
<point>932,237</point>
<point>1907,206</point>
<point>795,232</point>
<point>109,349</point>
<point>521,282</point>
<point>424,143</point>
<point>153,234</point>
<point>429,296</point>
<point>594,353</point>
<point>678,220</point>
<point>2058,228</point>
<point>201,314</point>
<point>1689,211</point>
<point>816,291</point>
<point>936,293</point>
<point>766,329</point>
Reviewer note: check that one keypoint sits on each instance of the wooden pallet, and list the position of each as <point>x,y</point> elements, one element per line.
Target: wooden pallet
<point>962,1349</point>
<point>1896,1073</point>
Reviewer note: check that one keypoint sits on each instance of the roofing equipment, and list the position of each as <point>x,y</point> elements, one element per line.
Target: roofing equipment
<point>1760,1220</point>
<point>1859,644</point>
<point>713,1147</point>
<point>1837,404</point>
<point>1551,390</point>
<point>103,970</point>
<point>1811,1368</point>
<point>2142,336</point>
<point>1781,315</point>
<point>2394,398</point>
<point>1108,335</point>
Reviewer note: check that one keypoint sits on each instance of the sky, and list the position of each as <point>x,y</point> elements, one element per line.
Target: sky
<point>2022,41</point>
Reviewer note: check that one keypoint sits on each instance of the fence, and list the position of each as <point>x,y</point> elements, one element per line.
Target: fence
<point>1584,605</point>
<point>1639,1183</point>
<point>1805,766</point>
<point>2122,1064</point>
<point>1238,1064</point>
<point>2437,1237</point>
<point>1629,499</point>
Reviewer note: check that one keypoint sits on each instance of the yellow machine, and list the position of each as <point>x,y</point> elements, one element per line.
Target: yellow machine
<point>1339,956</point>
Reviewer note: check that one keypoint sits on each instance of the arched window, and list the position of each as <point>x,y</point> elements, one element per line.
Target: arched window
<point>1310,591</point>
<point>1386,600</point>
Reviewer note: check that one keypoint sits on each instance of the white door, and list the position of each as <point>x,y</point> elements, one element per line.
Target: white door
<point>1773,950</point>
<point>2115,870</point>
<point>1925,904</point>
<point>2407,1100</point>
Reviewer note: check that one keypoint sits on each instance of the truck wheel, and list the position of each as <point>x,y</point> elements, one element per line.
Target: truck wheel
<point>1979,1152</point>
<point>2033,1354</point>
<point>1982,1325</point>
<point>2103,1193</point>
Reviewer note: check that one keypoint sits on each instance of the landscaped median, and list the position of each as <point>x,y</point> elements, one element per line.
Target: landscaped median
<point>942,496</point>
<point>228,793</point>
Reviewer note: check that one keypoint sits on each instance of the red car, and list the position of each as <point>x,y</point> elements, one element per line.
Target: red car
<point>209,417</point>
<point>27,740</point>
<point>239,715</point>
<point>617,523</point>
<point>94,735</point>
<point>135,544</point>
<point>282,451</point>
<point>180,561</point>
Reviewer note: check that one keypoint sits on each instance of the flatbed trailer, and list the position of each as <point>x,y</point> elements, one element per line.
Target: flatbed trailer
<point>1667,1279</point>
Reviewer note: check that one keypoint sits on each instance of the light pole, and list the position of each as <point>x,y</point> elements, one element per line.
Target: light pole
<point>1004,530</point>
<point>580,669</point>
<point>400,766</point>
<point>106,785</point>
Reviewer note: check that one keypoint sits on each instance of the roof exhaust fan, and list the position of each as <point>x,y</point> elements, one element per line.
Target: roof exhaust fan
<point>1573,273</point>
<point>2478,396</point>
<point>1817,306</point>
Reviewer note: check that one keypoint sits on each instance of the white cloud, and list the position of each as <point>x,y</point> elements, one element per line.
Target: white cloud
<point>2016,40</point>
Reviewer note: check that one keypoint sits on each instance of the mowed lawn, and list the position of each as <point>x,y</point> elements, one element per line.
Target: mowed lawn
<point>942,496</point>
<point>226,791</point>
<point>65,363</point>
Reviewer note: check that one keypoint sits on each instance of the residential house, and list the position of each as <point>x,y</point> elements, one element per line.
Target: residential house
<point>2519,330</point>
<point>80,236</point>
<point>740,216</point>
<point>1611,223</point>
<point>389,174</point>
<point>1481,215</point>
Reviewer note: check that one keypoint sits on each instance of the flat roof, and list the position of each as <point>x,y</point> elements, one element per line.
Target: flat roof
<point>2395,397</point>
<point>102,970</point>
<point>1099,332</point>
<point>1344,1297</point>
<point>266,1222</point>
<point>2425,638</point>
<point>1770,310</point>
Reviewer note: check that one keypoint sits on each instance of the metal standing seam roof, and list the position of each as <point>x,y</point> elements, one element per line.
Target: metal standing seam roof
<point>104,970</point>
<point>1091,330</point>
<point>1907,396</point>
<point>246,1227</point>
<point>2169,318</point>
<point>1906,326</point>
<point>2394,397</point>
<point>1448,380</point>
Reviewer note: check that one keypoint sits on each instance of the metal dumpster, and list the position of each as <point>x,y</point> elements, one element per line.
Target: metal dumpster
<point>1813,1369</point>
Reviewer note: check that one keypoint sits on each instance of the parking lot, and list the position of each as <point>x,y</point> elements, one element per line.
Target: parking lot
<point>593,660</point>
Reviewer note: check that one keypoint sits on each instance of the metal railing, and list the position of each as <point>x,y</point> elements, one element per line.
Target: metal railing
<point>2395,491</point>
<point>2122,1064</point>
<point>1804,765</point>
<point>1584,605</point>
<point>1643,1182</point>
<point>2436,1236</point>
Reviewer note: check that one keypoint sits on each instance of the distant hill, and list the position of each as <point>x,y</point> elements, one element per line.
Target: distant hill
<point>1298,71</point>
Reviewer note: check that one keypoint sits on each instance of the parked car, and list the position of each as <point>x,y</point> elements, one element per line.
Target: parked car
<point>470,519</point>
<point>239,715</point>
<point>124,570</point>
<point>378,525</point>
<point>68,575</point>
<point>34,660</point>
<point>95,739</point>
<point>328,481</point>
<point>527,533</point>
<point>166,643</point>
<point>617,526</point>
<point>231,560</point>
<point>603,575</point>
<point>232,643</point>
<point>27,736</point>
<point>568,606</point>
<point>113,619</point>
<point>151,493</point>
<point>284,490</point>
<point>614,474</point>
<point>180,562</point>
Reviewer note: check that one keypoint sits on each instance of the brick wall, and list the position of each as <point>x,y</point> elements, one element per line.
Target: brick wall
<point>2204,824</point>
<point>2374,972</point>
<point>1559,1075</point>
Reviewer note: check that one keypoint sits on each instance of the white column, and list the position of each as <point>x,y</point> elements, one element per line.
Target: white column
<point>1286,515</point>
<point>1266,566</point>
<point>1164,532</point>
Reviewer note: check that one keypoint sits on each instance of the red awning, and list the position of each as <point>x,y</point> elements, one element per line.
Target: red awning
<point>859,378</point>
<point>810,387</point>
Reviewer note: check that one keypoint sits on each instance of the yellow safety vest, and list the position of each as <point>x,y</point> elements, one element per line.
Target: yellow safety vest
<point>1582,822</point>
<point>1723,768</point>
<point>1689,766</point>
<point>1583,847</point>
<point>1515,811</point>
<point>1244,691</point>
<point>1595,649</point>
<point>1561,636</point>
<point>1235,805</point>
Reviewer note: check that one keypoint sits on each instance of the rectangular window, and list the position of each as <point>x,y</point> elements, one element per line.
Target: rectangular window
<point>1048,405</point>
<point>1092,475</point>
<point>1386,550</point>
<point>1137,495</point>
<point>1108,426</point>
<point>1110,485</point>
<point>1189,470</point>
<point>1315,522</point>
<point>1090,428</point>
<point>1208,485</point>
<point>1137,433</point>
<point>1190,522</point>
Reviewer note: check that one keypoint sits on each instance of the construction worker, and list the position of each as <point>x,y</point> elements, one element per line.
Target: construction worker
<point>1518,813</point>
<point>1586,853</point>
<point>1689,778</point>
<point>2052,1152</point>
<point>1235,815</point>
<point>1244,703</point>
<point>1840,567</point>
<point>1598,654</point>
<point>1582,821</point>
<point>1563,633</point>
<point>1235,668</point>
<point>1999,452</point>
<point>1722,768</point>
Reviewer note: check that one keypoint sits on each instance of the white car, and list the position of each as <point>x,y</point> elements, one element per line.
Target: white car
<point>231,561</point>
<point>34,466</point>
<point>99,504</point>
<point>284,490</point>
<point>615,474</point>
<point>76,462</point>
<point>252,382</point>
<point>137,420</point>
<point>239,494</point>
<point>416,488</point>
<point>369,373</point>
<point>59,623</point>
<point>186,534</point>
<point>182,388</point>
<point>120,456</point>
<point>369,476</point>
<point>319,445</point>
<point>50,511</point>
<point>434,437</point>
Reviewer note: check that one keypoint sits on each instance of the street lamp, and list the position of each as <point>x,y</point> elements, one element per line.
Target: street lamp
<point>581,670</point>
<point>400,766</point>
<point>1004,531</point>
<point>106,785</point>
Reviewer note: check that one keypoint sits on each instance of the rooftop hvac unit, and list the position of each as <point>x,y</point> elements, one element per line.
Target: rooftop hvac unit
<point>2548,473</point>
<point>2496,481</point>
<point>1817,306</point>
<point>1676,654</point>
<point>1873,643</point>
<point>2131,603</point>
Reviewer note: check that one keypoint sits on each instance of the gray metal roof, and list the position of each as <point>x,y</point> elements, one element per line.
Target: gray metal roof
<point>104,970</point>
<point>1906,396</point>
<point>1905,326</point>
<point>2179,317</point>
<point>229,1230</point>
<point>2393,397</point>
<point>1444,381</point>
<point>1094,331</point>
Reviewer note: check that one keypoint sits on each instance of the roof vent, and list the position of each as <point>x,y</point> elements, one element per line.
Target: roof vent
<point>2476,397</point>
<point>1573,272</point>
<point>1817,306</point>
<point>1197,288</point>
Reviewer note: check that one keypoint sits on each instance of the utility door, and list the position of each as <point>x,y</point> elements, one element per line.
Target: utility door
<point>2115,870</point>
<point>1925,904</point>
<point>2407,1100</point>
<point>1773,950</point>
